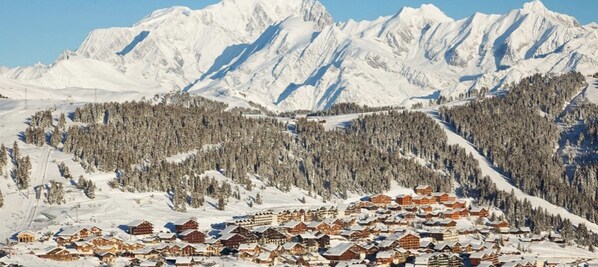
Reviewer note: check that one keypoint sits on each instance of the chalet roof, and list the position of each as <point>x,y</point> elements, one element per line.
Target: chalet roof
<point>166,235</point>
<point>187,232</point>
<point>422,186</point>
<point>200,247</point>
<point>357,228</point>
<point>183,221</point>
<point>424,243</point>
<point>478,209</point>
<point>270,247</point>
<point>307,235</point>
<point>227,236</point>
<point>386,243</point>
<point>26,232</point>
<point>291,224</point>
<point>229,229</point>
<point>70,231</point>
<point>136,223</point>
<point>480,254</point>
<point>385,254</point>
<point>330,221</point>
<point>264,256</point>
<point>338,249</point>
<point>248,246</point>
<point>314,224</point>
<point>289,245</point>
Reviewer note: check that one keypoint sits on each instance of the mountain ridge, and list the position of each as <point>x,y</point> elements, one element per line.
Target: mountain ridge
<point>291,55</point>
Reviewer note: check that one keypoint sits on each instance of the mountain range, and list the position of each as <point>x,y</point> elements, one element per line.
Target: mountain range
<point>290,54</point>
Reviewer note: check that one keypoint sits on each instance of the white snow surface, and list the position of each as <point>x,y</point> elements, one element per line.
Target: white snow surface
<point>290,54</point>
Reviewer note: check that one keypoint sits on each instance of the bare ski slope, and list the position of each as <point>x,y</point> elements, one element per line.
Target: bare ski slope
<point>502,182</point>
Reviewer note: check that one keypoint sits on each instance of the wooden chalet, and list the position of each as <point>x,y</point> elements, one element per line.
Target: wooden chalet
<point>477,257</point>
<point>451,214</point>
<point>267,234</point>
<point>404,200</point>
<point>58,254</point>
<point>341,252</point>
<point>106,257</point>
<point>500,226</point>
<point>248,236</point>
<point>140,227</point>
<point>192,236</point>
<point>381,200</point>
<point>185,224</point>
<point>166,237</point>
<point>318,226</point>
<point>26,237</point>
<point>232,240</point>
<point>294,248</point>
<point>423,190</point>
<point>294,227</point>
<point>252,248</point>
<point>444,197</point>
<point>408,241</point>
<point>71,234</point>
<point>421,200</point>
<point>479,212</point>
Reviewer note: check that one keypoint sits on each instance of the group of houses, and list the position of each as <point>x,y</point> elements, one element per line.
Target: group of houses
<point>422,229</point>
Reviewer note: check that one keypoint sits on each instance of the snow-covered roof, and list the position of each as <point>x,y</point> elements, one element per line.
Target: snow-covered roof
<point>136,223</point>
<point>187,232</point>
<point>339,249</point>
<point>183,221</point>
<point>166,235</point>
<point>248,246</point>
<point>289,245</point>
<point>291,224</point>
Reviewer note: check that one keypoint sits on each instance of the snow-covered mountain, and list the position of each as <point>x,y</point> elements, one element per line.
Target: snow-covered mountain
<point>290,55</point>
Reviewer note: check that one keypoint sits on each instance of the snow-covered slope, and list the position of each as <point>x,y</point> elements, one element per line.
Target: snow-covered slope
<point>289,55</point>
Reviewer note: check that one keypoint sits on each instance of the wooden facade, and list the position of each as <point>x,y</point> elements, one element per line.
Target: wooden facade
<point>404,200</point>
<point>181,226</point>
<point>409,241</point>
<point>192,236</point>
<point>423,190</point>
<point>141,228</point>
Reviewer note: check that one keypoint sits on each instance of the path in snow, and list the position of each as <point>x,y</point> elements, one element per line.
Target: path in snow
<point>502,182</point>
<point>592,90</point>
<point>40,177</point>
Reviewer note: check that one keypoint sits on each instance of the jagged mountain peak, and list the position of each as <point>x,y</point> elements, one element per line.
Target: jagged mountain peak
<point>426,12</point>
<point>535,6</point>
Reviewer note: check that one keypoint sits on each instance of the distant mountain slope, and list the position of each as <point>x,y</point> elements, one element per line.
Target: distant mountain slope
<point>290,55</point>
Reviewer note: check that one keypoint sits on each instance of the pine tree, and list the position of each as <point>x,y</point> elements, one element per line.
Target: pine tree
<point>61,121</point>
<point>1,200</point>
<point>3,158</point>
<point>179,200</point>
<point>221,203</point>
<point>81,183</point>
<point>15,151</point>
<point>90,190</point>
<point>56,137</point>
<point>258,199</point>
<point>56,193</point>
<point>197,199</point>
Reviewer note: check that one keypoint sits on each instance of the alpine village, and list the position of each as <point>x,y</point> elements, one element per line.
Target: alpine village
<point>423,229</point>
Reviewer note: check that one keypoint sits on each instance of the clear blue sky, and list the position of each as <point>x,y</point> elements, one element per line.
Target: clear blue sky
<point>38,30</point>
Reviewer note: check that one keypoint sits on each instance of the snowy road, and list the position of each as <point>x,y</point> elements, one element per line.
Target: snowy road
<point>39,178</point>
<point>502,182</point>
